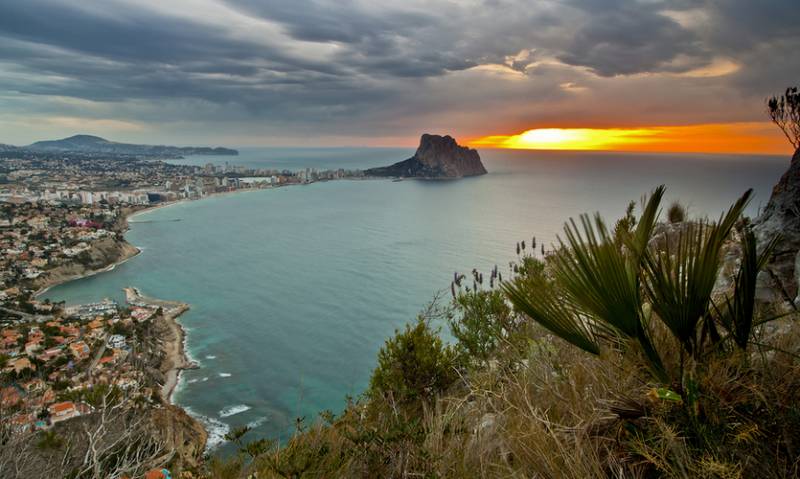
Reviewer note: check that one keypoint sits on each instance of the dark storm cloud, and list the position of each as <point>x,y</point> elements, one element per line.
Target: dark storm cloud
<point>621,37</point>
<point>308,63</point>
<point>340,21</point>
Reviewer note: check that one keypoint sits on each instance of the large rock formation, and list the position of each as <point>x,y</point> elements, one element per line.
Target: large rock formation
<point>782,216</point>
<point>436,157</point>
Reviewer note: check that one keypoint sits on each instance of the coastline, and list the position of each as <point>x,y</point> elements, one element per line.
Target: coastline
<point>173,340</point>
<point>134,251</point>
<point>175,357</point>
<point>131,250</point>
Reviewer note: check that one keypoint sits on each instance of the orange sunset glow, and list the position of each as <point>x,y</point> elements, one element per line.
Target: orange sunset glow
<point>755,137</point>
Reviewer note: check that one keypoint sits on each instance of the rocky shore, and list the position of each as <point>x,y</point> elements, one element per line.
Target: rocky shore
<point>106,254</point>
<point>170,337</point>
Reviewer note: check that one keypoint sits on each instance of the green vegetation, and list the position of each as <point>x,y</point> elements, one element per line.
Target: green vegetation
<point>49,440</point>
<point>478,322</point>
<point>413,366</point>
<point>640,352</point>
<point>99,395</point>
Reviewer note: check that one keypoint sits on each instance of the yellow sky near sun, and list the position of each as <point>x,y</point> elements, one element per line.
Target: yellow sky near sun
<point>756,137</point>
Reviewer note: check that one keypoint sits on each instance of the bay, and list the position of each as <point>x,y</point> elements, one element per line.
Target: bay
<point>293,290</point>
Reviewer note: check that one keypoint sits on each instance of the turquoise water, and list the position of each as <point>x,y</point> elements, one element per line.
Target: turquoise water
<point>293,290</point>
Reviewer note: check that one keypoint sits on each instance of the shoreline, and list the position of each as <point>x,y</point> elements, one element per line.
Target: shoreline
<point>89,274</point>
<point>124,242</point>
<point>175,350</point>
<point>173,345</point>
<point>178,356</point>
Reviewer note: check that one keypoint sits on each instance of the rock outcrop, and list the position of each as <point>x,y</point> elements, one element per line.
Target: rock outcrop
<point>103,253</point>
<point>782,217</point>
<point>436,157</point>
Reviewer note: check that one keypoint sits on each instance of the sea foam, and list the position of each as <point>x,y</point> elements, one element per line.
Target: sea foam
<point>216,429</point>
<point>257,422</point>
<point>234,410</point>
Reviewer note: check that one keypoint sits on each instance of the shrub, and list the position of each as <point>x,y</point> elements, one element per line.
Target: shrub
<point>784,111</point>
<point>480,321</point>
<point>413,365</point>
<point>49,440</point>
<point>676,213</point>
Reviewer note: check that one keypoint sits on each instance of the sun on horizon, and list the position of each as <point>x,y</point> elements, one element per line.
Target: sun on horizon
<point>750,138</point>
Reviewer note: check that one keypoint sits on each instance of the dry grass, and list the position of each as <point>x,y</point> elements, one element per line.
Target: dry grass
<point>544,409</point>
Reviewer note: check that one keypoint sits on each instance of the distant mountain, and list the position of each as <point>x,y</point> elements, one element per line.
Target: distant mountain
<point>4,147</point>
<point>95,144</point>
<point>437,157</point>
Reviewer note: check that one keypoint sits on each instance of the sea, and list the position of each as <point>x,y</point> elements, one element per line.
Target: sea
<point>293,290</point>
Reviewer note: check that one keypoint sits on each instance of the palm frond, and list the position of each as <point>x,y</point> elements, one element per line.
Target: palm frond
<point>644,230</point>
<point>541,303</point>
<point>603,283</point>
<point>738,313</point>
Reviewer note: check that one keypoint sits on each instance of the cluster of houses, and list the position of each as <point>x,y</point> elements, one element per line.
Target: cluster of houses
<point>48,368</point>
<point>38,237</point>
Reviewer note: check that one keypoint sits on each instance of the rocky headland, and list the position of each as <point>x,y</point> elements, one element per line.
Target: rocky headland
<point>437,157</point>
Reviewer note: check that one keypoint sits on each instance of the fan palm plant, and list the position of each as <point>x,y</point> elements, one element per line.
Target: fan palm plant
<point>599,286</point>
<point>596,291</point>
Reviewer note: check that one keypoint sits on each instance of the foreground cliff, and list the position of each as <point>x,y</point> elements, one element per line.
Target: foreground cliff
<point>782,217</point>
<point>437,157</point>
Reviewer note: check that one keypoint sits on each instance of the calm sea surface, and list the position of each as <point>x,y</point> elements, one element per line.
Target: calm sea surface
<point>294,290</point>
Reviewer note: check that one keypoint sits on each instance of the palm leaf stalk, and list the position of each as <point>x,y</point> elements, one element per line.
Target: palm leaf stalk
<point>738,312</point>
<point>679,283</point>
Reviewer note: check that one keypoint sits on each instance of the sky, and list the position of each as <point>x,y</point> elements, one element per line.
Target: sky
<point>660,75</point>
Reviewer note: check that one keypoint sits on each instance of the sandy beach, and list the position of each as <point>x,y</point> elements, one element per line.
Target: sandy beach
<point>174,357</point>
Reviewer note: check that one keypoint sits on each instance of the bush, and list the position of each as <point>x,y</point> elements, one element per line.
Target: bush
<point>784,111</point>
<point>480,321</point>
<point>676,213</point>
<point>413,365</point>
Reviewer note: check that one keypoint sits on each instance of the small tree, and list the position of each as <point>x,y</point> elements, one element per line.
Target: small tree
<point>480,320</point>
<point>676,213</point>
<point>413,365</point>
<point>784,111</point>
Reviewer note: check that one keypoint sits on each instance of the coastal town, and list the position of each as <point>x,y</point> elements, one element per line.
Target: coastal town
<point>88,178</point>
<point>63,216</point>
<point>64,210</point>
<point>56,360</point>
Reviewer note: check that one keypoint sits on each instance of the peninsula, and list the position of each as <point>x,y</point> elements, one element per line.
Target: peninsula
<point>437,157</point>
<point>97,145</point>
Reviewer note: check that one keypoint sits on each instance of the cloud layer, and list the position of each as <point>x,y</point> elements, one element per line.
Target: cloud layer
<point>350,71</point>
